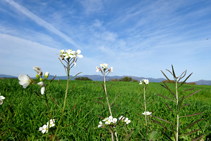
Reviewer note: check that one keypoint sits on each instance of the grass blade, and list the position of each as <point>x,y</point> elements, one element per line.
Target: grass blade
<point>73,107</point>
<point>192,94</point>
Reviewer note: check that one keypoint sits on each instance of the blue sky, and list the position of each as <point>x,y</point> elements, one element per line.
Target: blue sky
<point>137,38</point>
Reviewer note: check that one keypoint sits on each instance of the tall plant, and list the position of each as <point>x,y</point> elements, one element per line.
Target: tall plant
<point>178,99</point>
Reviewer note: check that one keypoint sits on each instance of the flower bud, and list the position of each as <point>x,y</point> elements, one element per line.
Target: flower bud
<point>37,76</point>
<point>46,75</point>
<point>41,79</point>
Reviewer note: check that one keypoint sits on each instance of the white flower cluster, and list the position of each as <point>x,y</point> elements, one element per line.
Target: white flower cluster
<point>146,81</point>
<point>1,99</point>
<point>104,67</point>
<point>147,113</point>
<point>24,80</point>
<point>67,54</point>
<point>110,120</point>
<point>44,128</point>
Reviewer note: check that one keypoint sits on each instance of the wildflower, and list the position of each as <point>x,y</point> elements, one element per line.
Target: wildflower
<point>1,99</point>
<point>42,84</point>
<point>100,124</point>
<point>114,120</point>
<point>104,66</point>
<point>24,80</point>
<point>46,75</point>
<point>146,81</point>
<point>121,118</point>
<point>38,70</point>
<point>68,54</point>
<point>77,54</point>
<point>127,121</point>
<point>98,69</point>
<point>147,113</point>
<point>111,69</point>
<point>44,129</point>
<point>107,120</point>
<point>52,123</point>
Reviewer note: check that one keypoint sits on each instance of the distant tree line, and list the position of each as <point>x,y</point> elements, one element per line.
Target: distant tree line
<point>83,78</point>
<point>126,79</point>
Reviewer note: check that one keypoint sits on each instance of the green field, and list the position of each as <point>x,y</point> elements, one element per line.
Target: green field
<point>23,112</point>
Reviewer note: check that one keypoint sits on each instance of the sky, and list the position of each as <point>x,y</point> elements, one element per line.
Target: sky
<point>136,38</point>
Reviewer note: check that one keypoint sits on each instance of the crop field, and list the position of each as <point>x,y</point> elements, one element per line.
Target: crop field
<point>23,111</point>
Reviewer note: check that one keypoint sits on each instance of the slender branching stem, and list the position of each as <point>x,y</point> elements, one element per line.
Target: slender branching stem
<point>177,131</point>
<point>107,95</point>
<point>145,108</point>
<point>46,100</point>
<point>68,77</point>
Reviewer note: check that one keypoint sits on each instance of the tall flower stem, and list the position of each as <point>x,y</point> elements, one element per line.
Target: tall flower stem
<point>145,108</point>
<point>46,99</point>
<point>177,131</point>
<point>107,95</point>
<point>68,77</point>
<point>112,134</point>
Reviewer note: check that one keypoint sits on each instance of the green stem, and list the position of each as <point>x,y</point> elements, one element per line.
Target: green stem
<point>68,77</point>
<point>177,132</point>
<point>107,95</point>
<point>145,107</point>
<point>46,99</point>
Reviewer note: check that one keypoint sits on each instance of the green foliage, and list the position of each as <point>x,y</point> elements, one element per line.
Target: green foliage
<point>21,120</point>
<point>83,78</point>
<point>126,79</point>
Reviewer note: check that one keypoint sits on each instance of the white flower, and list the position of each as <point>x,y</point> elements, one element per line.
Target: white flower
<point>44,129</point>
<point>114,120</point>
<point>98,69</point>
<point>104,66</point>
<point>52,123</point>
<point>42,84</point>
<point>46,75</point>
<point>77,54</point>
<point>127,121</point>
<point>38,70</point>
<point>146,81</point>
<point>1,99</point>
<point>107,120</point>
<point>111,69</point>
<point>100,124</point>
<point>24,80</point>
<point>121,118</point>
<point>147,113</point>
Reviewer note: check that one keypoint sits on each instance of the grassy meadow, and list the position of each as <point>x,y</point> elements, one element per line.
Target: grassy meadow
<point>23,112</point>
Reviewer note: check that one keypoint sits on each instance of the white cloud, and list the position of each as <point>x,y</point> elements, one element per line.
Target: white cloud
<point>41,22</point>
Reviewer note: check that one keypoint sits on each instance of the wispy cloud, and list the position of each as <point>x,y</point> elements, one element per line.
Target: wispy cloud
<point>41,22</point>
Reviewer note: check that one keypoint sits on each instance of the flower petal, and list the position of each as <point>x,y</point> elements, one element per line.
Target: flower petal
<point>42,90</point>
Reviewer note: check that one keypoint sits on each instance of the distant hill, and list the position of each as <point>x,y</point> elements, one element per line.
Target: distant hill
<point>100,78</point>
